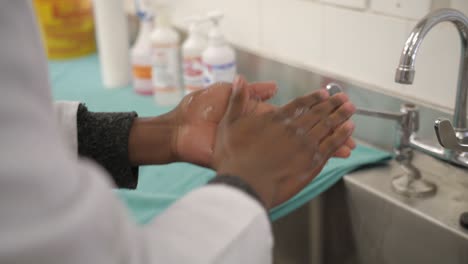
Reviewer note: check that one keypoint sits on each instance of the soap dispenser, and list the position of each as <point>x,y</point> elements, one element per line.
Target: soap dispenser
<point>141,50</point>
<point>192,50</point>
<point>219,58</point>
<point>166,67</point>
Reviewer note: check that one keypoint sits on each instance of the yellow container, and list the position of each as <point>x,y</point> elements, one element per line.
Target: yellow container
<point>67,27</point>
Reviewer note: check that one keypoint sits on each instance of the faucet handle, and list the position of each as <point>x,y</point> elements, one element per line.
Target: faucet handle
<point>447,136</point>
<point>334,88</point>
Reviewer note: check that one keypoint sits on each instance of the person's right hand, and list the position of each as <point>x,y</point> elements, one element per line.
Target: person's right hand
<point>281,151</point>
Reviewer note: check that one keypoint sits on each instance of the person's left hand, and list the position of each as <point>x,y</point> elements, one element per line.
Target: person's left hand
<point>199,113</point>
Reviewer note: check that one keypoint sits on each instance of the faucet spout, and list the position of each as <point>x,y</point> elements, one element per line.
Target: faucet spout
<point>405,72</point>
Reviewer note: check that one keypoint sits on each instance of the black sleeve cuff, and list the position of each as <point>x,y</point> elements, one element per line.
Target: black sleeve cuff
<point>103,137</point>
<point>237,183</point>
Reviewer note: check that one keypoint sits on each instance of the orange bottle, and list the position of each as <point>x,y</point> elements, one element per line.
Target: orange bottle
<point>67,27</point>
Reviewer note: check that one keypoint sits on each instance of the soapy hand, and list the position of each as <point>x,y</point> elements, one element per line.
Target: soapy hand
<point>198,115</point>
<point>187,133</point>
<point>280,151</point>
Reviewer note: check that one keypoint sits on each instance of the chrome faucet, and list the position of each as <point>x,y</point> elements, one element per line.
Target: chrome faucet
<point>452,139</point>
<point>410,183</point>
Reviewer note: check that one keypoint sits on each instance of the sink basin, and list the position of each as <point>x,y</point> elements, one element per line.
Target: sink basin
<point>361,220</point>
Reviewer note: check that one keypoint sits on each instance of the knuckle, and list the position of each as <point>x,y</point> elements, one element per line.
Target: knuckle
<point>335,101</point>
<point>344,132</point>
<point>343,113</point>
<point>278,116</point>
<point>301,103</point>
<point>319,110</point>
<point>324,127</point>
<point>317,96</point>
<point>336,144</point>
<point>288,128</point>
<point>330,143</point>
<point>347,129</point>
<point>329,122</point>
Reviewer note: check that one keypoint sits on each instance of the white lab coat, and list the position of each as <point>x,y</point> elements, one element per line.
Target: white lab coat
<point>56,208</point>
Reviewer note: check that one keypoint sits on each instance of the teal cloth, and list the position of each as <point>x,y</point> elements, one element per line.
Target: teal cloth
<point>160,186</point>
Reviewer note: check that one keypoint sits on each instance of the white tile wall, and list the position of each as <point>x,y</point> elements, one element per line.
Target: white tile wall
<point>436,4</point>
<point>360,4</point>
<point>184,8</point>
<point>363,46</point>
<point>359,39</point>
<point>292,29</point>
<point>402,8</point>
<point>242,21</point>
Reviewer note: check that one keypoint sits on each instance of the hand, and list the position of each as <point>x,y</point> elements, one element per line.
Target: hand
<point>198,115</point>
<point>280,151</point>
<point>187,133</point>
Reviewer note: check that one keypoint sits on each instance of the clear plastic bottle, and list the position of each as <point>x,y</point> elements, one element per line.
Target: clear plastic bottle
<point>192,50</point>
<point>219,58</point>
<point>141,51</point>
<point>166,66</point>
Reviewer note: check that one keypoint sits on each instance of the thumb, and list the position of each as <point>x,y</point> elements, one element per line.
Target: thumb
<point>238,100</point>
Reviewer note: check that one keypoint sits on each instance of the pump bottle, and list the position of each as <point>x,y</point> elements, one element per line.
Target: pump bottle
<point>192,50</point>
<point>141,50</point>
<point>219,59</point>
<point>165,60</point>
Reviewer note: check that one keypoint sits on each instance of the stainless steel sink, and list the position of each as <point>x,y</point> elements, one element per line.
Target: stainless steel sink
<point>361,220</point>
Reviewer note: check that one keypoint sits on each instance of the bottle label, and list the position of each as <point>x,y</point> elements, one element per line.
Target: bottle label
<point>193,74</point>
<point>214,73</point>
<point>142,72</point>
<point>165,68</point>
<point>142,79</point>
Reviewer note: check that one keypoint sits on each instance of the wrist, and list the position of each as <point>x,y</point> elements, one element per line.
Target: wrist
<point>238,183</point>
<point>252,178</point>
<point>152,140</point>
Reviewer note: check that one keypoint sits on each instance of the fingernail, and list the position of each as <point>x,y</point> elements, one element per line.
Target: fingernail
<point>237,82</point>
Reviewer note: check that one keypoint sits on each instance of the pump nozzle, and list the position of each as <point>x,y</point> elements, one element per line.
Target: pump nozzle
<point>144,9</point>
<point>215,35</point>
<point>215,17</point>
<point>195,22</point>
